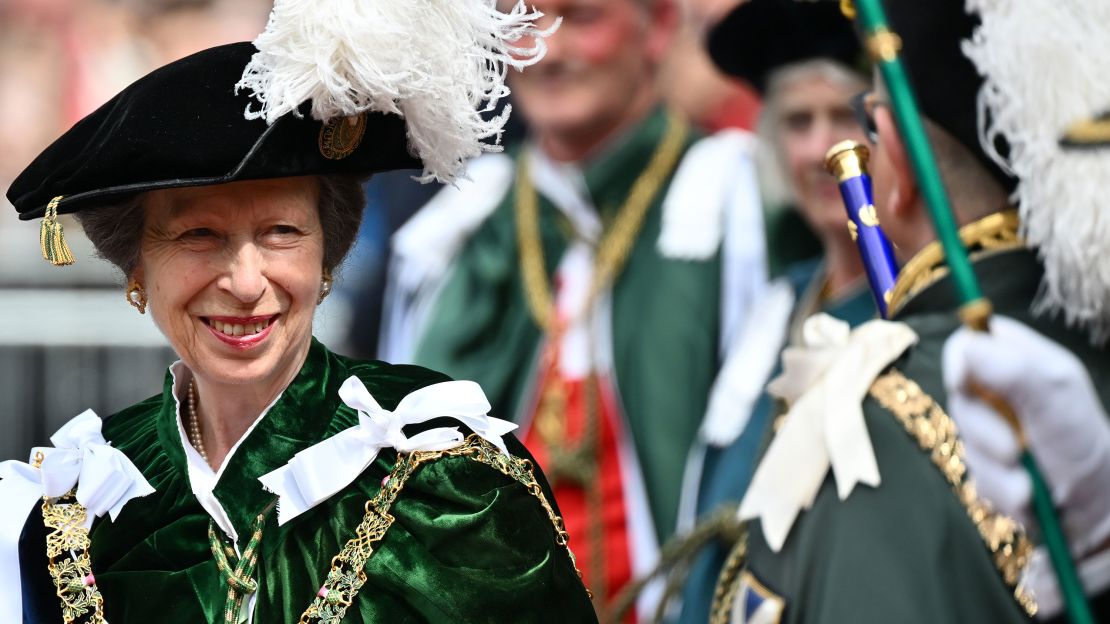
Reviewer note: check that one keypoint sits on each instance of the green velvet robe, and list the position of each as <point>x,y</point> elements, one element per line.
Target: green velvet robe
<point>665,320</point>
<point>468,544</point>
<point>906,551</point>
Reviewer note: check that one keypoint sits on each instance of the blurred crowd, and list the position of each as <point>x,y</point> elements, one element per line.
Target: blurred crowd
<point>61,59</point>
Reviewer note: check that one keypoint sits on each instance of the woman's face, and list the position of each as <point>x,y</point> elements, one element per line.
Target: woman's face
<point>232,274</point>
<point>813,115</point>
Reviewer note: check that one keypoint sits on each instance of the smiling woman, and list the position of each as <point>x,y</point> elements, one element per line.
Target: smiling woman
<point>232,275</point>
<point>272,480</point>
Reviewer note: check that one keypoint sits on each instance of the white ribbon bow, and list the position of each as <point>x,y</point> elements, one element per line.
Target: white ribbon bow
<point>106,480</point>
<point>323,469</point>
<point>824,381</point>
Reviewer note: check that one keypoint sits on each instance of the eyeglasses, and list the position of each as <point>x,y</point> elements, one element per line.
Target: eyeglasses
<point>863,105</point>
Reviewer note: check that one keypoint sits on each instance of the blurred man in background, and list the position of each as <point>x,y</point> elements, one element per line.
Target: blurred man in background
<point>591,280</point>
<point>924,518</point>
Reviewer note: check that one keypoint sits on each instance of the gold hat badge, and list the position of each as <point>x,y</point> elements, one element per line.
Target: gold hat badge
<point>341,136</point>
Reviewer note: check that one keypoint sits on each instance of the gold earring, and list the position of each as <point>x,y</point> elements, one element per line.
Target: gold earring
<point>136,296</point>
<point>325,287</point>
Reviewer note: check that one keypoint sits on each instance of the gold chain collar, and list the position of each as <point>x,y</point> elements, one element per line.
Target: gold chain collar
<point>616,243</point>
<point>993,233</point>
<point>82,602</point>
<point>70,567</point>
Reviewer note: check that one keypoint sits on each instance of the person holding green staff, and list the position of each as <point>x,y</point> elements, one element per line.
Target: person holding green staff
<point>891,491</point>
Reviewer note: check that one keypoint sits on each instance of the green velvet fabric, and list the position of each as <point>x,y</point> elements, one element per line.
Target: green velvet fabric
<point>665,327</point>
<point>906,551</point>
<point>468,544</point>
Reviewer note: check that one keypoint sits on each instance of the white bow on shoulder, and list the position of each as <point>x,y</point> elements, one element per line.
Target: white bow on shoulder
<point>105,478</point>
<point>824,381</point>
<point>318,472</point>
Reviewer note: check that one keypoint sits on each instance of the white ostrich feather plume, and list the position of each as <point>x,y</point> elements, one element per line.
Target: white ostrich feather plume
<point>1045,67</point>
<point>437,63</point>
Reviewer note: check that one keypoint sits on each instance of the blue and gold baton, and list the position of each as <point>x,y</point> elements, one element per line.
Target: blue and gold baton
<point>847,161</point>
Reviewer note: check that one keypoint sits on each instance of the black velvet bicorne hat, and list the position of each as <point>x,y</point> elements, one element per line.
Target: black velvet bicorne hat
<point>184,125</point>
<point>760,36</point>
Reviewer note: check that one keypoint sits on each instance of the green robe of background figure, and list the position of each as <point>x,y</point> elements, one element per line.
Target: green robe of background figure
<point>907,551</point>
<point>467,543</point>
<point>645,353</point>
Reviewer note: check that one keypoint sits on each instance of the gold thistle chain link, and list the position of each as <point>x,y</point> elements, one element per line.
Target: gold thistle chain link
<point>936,432</point>
<point>347,574</point>
<point>72,576</point>
<point>80,597</point>
<point>616,244</point>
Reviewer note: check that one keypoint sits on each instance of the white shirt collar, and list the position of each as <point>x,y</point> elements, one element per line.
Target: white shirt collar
<point>565,185</point>
<point>202,479</point>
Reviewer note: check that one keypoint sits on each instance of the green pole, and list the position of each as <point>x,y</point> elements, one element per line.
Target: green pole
<point>884,46</point>
<point>975,310</point>
<point>1071,588</point>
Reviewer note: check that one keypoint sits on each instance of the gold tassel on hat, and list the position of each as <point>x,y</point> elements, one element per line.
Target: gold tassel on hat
<point>52,239</point>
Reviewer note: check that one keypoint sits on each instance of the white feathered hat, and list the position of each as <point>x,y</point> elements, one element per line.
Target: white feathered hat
<point>1044,64</point>
<point>438,64</point>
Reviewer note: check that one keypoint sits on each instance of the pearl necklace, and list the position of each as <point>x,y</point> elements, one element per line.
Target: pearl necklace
<point>194,422</point>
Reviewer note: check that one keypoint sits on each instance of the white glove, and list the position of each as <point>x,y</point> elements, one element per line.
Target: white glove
<point>1065,424</point>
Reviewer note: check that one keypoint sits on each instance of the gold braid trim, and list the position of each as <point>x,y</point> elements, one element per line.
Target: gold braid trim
<point>347,574</point>
<point>675,558</point>
<point>728,583</point>
<point>72,576</point>
<point>991,234</point>
<point>936,433</point>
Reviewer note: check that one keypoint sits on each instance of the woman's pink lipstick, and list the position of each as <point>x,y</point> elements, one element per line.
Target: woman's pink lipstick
<point>245,341</point>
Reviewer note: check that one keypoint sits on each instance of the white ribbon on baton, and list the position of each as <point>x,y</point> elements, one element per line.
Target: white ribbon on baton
<point>824,382</point>
<point>105,478</point>
<point>316,473</point>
